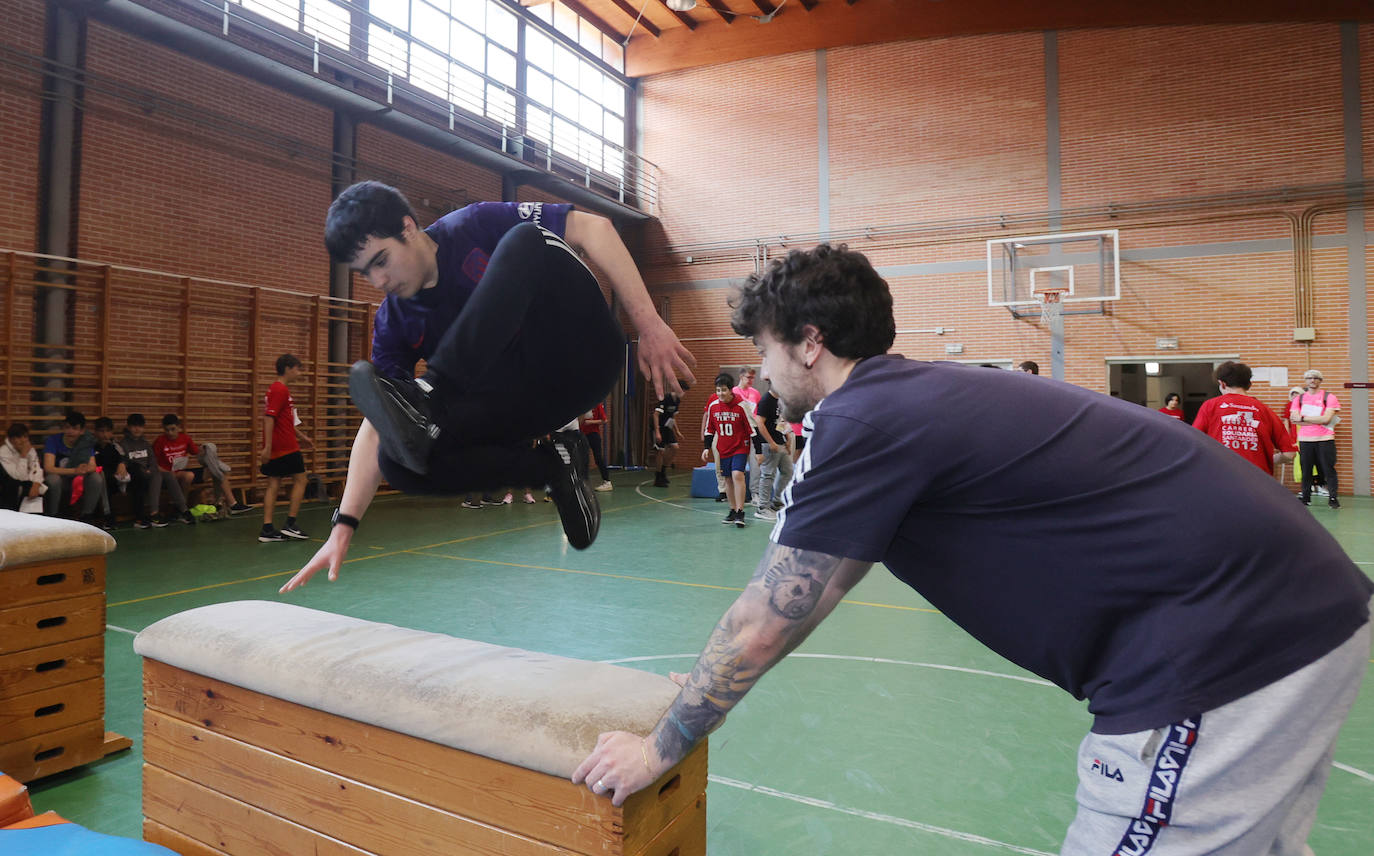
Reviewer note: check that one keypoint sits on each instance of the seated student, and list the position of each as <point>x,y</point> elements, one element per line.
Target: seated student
<point>110,458</point>
<point>21,475</point>
<point>144,476</point>
<point>172,452</point>
<point>69,468</point>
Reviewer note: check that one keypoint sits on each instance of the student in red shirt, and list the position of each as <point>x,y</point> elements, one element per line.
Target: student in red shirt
<point>1173,406</point>
<point>728,424</point>
<point>1243,423</point>
<point>172,451</point>
<point>281,453</point>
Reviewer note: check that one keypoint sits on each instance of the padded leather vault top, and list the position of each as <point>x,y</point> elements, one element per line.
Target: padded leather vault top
<point>533,710</point>
<point>28,538</point>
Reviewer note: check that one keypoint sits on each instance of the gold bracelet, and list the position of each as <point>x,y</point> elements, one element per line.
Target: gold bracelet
<point>644,753</point>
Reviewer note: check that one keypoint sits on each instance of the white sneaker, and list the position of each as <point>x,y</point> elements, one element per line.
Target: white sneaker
<point>605,486</point>
<point>766,514</point>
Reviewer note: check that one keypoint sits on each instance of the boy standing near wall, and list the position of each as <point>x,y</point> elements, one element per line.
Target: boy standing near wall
<point>281,453</point>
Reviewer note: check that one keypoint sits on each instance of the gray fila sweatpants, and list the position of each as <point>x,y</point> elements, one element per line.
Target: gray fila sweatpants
<point>1241,780</point>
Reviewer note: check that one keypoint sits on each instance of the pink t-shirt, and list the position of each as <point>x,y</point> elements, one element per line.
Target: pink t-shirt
<point>1316,403</point>
<point>750,394</point>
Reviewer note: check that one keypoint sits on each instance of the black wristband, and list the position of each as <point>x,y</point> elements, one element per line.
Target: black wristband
<point>346,519</point>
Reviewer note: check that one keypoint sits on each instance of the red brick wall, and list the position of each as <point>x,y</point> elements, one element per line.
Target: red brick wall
<point>955,129</point>
<point>22,109</point>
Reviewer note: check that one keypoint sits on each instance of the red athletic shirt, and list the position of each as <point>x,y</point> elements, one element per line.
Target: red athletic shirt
<point>1246,426</point>
<point>282,409</point>
<point>730,424</point>
<point>1177,414</point>
<point>597,412</point>
<point>167,451</point>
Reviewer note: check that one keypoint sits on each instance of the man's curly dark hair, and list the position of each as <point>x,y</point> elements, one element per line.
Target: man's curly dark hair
<point>833,288</point>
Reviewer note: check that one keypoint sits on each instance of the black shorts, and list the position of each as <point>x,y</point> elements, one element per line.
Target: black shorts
<point>668,438</point>
<point>801,442</point>
<point>287,465</point>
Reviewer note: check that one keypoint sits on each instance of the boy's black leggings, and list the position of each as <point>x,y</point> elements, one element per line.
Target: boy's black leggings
<point>535,346</point>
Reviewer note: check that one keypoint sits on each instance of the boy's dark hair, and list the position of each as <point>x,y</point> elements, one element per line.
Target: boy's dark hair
<point>1174,395</point>
<point>17,430</point>
<point>1234,374</point>
<point>287,361</point>
<point>76,419</point>
<point>1030,366</point>
<point>104,422</point>
<point>136,419</point>
<point>726,380</point>
<point>171,419</point>
<point>368,209</point>
<point>833,288</point>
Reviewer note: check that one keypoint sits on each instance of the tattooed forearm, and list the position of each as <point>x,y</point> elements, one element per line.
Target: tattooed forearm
<point>718,681</point>
<point>783,602</point>
<point>795,580</point>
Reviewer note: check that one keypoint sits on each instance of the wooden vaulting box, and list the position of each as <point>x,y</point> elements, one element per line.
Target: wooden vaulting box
<point>270,728</point>
<point>52,646</point>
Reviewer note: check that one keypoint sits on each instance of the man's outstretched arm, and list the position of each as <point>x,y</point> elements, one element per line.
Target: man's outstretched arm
<point>790,593</point>
<point>662,358</point>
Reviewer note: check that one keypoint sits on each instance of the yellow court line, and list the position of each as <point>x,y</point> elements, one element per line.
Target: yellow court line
<point>650,579</point>
<point>347,561</point>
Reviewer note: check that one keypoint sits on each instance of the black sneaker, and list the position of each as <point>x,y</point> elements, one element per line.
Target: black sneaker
<point>720,497</point>
<point>1333,502</point>
<point>400,410</point>
<point>1304,500</point>
<point>188,518</point>
<point>660,480</point>
<point>143,523</point>
<point>270,534</point>
<point>160,522</point>
<point>491,500</point>
<point>239,508</point>
<point>729,518</point>
<point>739,519</point>
<point>471,503</point>
<point>576,503</point>
<point>294,532</point>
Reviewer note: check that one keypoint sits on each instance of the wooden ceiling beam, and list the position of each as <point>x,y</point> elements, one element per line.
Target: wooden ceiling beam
<point>764,8</point>
<point>808,5</point>
<point>634,15</point>
<point>722,10</point>
<point>687,20</point>
<point>595,20</point>
<point>834,24</point>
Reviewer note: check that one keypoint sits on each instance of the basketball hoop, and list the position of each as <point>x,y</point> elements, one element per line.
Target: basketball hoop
<point>1051,305</point>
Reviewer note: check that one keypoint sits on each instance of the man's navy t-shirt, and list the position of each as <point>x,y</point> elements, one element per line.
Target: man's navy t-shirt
<point>1119,553</point>
<point>408,330</point>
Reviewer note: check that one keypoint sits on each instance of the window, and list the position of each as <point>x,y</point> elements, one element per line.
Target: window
<point>466,53</point>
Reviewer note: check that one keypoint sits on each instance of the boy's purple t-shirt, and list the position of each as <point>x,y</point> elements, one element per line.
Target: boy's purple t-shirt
<point>408,330</point>
<point>1123,555</point>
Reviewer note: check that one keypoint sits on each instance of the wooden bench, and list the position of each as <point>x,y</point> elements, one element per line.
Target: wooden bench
<point>274,729</point>
<point>52,646</point>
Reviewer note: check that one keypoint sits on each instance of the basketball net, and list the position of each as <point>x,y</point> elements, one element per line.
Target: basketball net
<point>1051,307</point>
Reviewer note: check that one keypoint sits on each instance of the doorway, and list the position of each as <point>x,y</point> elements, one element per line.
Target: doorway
<point>1147,381</point>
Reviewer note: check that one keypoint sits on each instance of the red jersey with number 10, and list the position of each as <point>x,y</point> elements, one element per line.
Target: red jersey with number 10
<point>730,424</point>
<point>1246,426</point>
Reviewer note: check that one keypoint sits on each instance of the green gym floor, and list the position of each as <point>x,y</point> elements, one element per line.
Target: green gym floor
<point>890,731</point>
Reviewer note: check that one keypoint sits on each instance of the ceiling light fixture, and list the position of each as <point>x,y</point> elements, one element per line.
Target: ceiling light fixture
<point>681,5</point>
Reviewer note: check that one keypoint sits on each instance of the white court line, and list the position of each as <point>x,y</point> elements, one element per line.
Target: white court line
<point>121,629</point>
<point>639,490</point>
<point>873,815</point>
<point>1354,772</point>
